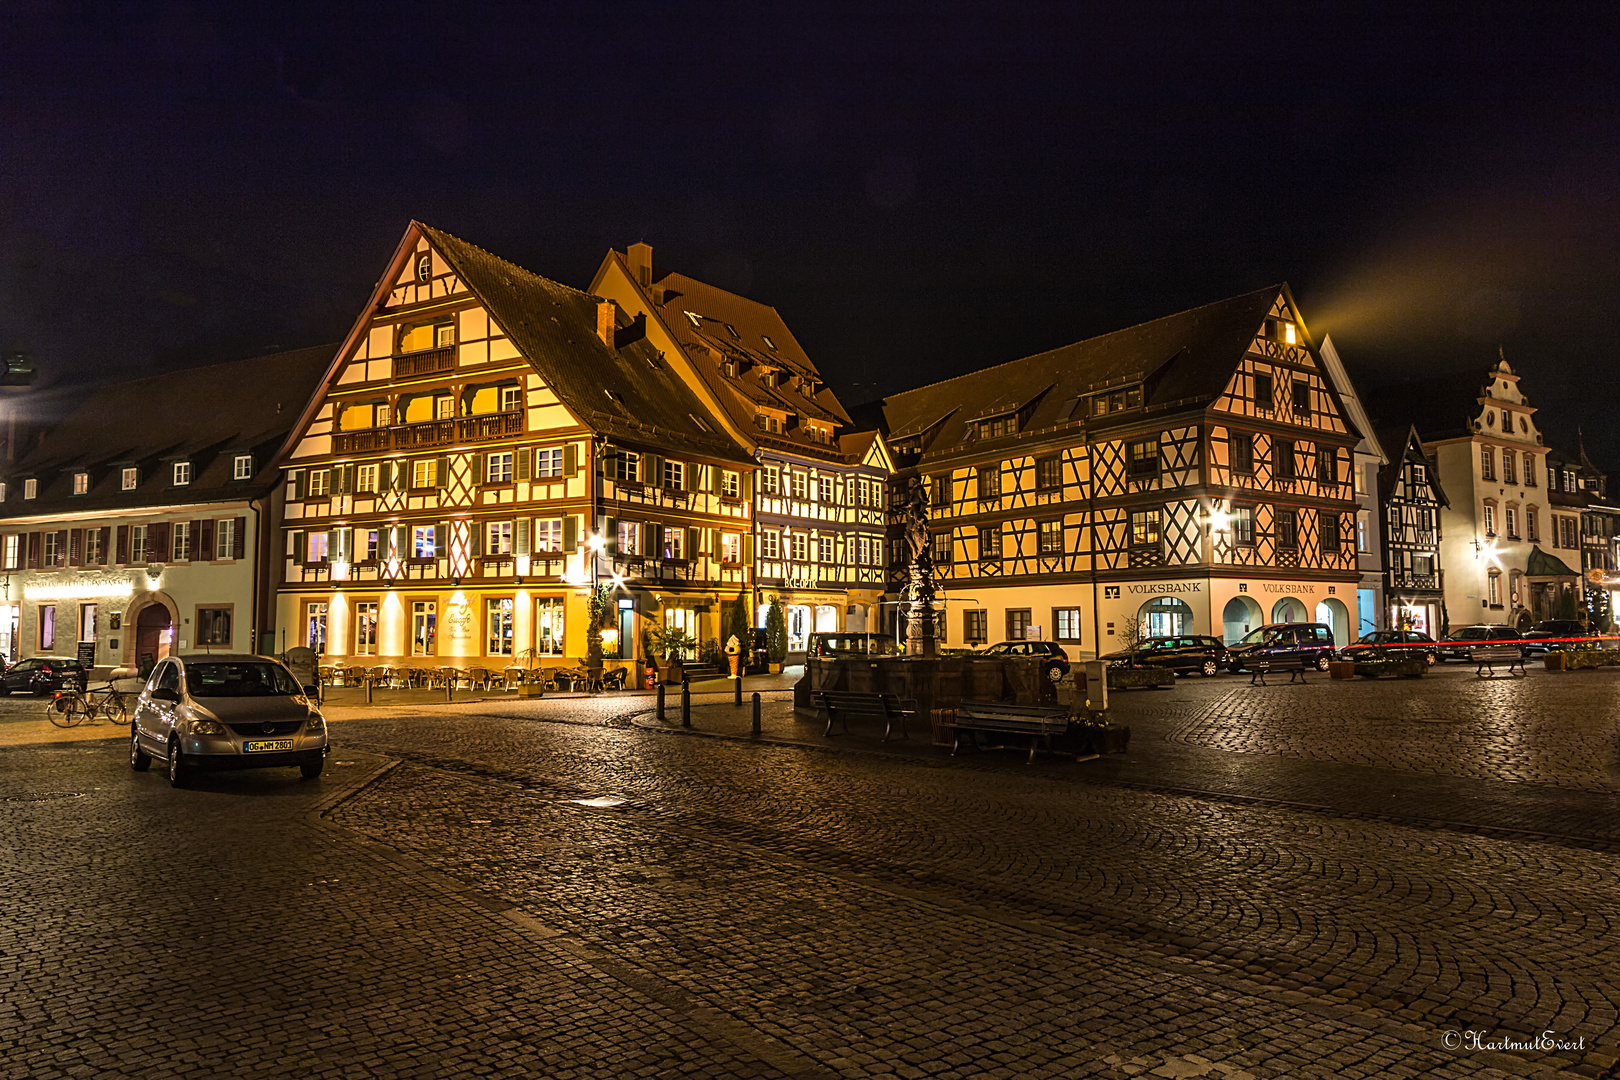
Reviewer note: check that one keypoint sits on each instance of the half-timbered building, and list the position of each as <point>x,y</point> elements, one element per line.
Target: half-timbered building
<point>1412,500</point>
<point>1188,475</point>
<point>819,485</point>
<point>489,445</point>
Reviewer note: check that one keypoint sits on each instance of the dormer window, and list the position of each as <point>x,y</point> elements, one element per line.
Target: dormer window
<point>30,489</point>
<point>769,344</point>
<point>1288,333</point>
<point>182,473</point>
<point>81,483</point>
<point>767,422</point>
<point>242,467</point>
<point>424,267</point>
<point>2,491</point>
<point>1001,425</point>
<point>731,369</point>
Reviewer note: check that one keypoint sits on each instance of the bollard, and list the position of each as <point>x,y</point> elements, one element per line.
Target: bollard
<point>756,712</point>
<point>686,704</point>
<point>736,688</point>
<point>368,690</point>
<point>660,702</point>
<point>450,689</point>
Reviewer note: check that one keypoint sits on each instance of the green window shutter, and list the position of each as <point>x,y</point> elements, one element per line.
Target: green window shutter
<point>652,470</point>
<point>295,480</point>
<point>441,472</point>
<point>652,540</point>
<point>610,533</point>
<point>525,464</point>
<point>570,459</point>
<point>748,549</point>
<point>520,537</point>
<point>300,548</point>
<point>441,539</point>
<point>694,537</point>
<point>570,532</point>
<point>475,539</point>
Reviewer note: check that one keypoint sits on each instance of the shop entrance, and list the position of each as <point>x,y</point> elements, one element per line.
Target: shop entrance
<point>1166,617</point>
<point>10,615</point>
<point>154,632</point>
<point>1288,610</point>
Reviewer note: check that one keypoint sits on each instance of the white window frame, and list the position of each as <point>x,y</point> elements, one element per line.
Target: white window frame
<point>511,398</point>
<point>318,483</point>
<point>730,547</point>
<point>424,541</point>
<point>498,538</point>
<point>180,547</point>
<point>81,483</point>
<point>182,473</point>
<point>498,468</point>
<point>242,467</point>
<point>225,538</point>
<point>137,544</point>
<point>770,544</point>
<point>365,478</point>
<point>129,478</point>
<point>799,548</point>
<point>730,484</point>
<point>673,544</point>
<point>30,488</point>
<point>674,477</point>
<point>548,535</point>
<point>628,537</point>
<point>548,462</point>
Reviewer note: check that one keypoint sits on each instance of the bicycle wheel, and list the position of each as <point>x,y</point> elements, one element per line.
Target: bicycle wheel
<point>115,707</point>
<point>60,711</point>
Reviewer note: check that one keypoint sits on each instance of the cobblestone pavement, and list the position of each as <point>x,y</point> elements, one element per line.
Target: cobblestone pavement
<point>550,888</point>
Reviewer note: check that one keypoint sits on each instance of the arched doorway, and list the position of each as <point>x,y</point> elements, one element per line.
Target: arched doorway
<point>826,619</point>
<point>1336,615</point>
<point>798,626</point>
<point>1165,616</point>
<point>1239,617</point>
<point>1289,609</point>
<point>154,633</point>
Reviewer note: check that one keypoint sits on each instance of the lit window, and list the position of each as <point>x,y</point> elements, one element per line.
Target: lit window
<point>730,547</point>
<point>242,466</point>
<point>500,627</point>
<point>424,267</point>
<point>444,336</point>
<point>798,547</point>
<point>1493,588</point>
<point>320,483</point>
<point>1066,623</point>
<point>365,628</point>
<point>1243,526</point>
<point>511,398</point>
<point>182,473</point>
<point>770,544</point>
<point>548,462</point>
<point>1144,527</point>
<point>629,538</point>
<point>128,479</point>
<point>623,465</point>
<point>137,543</point>
<point>13,552</point>
<point>365,478</point>
<point>2,491</point>
<point>674,475</point>
<point>730,484</point>
<point>424,474</point>
<point>674,542</point>
<point>53,547</point>
<point>444,408</point>
<point>423,542</point>
<point>424,627</point>
<point>498,538</point>
<point>81,483</point>
<point>548,534</point>
<point>180,546</point>
<point>1490,520</point>
<point>498,468</point>
<point>30,489</point>
<point>1051,538</point>
<point>225,539</point>
<point>1288,333</point>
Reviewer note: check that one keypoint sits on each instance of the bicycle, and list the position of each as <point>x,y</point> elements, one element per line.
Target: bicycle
<point>70,708</point>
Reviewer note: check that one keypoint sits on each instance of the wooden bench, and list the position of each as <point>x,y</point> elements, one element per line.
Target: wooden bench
<point>841,704</point>
<point>1489,657</point>
<point>1039,722</point>
<point>1294,665</point>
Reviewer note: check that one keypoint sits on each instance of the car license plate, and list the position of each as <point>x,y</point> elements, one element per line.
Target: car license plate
<point>257,745</point>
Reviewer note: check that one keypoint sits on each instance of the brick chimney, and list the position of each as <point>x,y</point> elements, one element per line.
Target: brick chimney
<point>607,321</point>
<point>639,256</point>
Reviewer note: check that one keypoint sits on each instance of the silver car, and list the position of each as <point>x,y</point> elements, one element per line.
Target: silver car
<point>226,712</point>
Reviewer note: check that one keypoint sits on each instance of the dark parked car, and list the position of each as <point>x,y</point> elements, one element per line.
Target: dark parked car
<point>852,643</point>
<point>1553,635</point>
<point>1183,655</point>
<point>1056,660</point>
<point>1460,643</point>
<point>1392,645</point>
<point>44,675</point>
<point>1311,642</point>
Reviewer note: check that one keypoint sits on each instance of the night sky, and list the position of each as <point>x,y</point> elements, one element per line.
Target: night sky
<point>920,194</point>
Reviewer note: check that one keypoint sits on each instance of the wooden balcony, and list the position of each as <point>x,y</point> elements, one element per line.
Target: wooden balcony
<point>426,362</point>
<point>464,429</point>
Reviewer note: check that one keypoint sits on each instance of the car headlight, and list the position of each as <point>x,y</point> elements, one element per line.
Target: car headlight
<point>199,726</point>
<point>315,725</point>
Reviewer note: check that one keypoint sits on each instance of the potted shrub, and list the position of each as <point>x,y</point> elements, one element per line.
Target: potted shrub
<point>671,645</point>
<point>776,642</point>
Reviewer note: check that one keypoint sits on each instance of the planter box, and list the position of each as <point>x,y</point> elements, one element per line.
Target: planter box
<point>1554,661</point>
<point>1140,678</point>
<point>1341,669</point>
<point>1412,667</point>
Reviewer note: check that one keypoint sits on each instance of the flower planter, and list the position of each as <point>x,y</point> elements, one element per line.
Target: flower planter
<point>1140,678</point>
<point>1554,661</point>
<point>1412,667</point>
<point>1341,669</point>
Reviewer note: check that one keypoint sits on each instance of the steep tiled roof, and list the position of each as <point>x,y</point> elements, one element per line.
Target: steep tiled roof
<point>714,325</point>
<point>1399,443</point>
<point>1184,360</point>
<point>204,415</point>
<point>630,394</point>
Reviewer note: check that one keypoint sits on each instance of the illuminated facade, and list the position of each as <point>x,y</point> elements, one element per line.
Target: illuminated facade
<point>818,486</point>
<point>487,445</point>
<point>137,526</point>
<point>1191,475</point>
<point>1413,501</point>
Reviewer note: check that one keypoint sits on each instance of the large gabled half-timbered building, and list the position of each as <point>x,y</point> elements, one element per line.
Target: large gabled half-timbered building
<point>819,484</point>
<point>489,444</point>
<point>1188,475</point>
